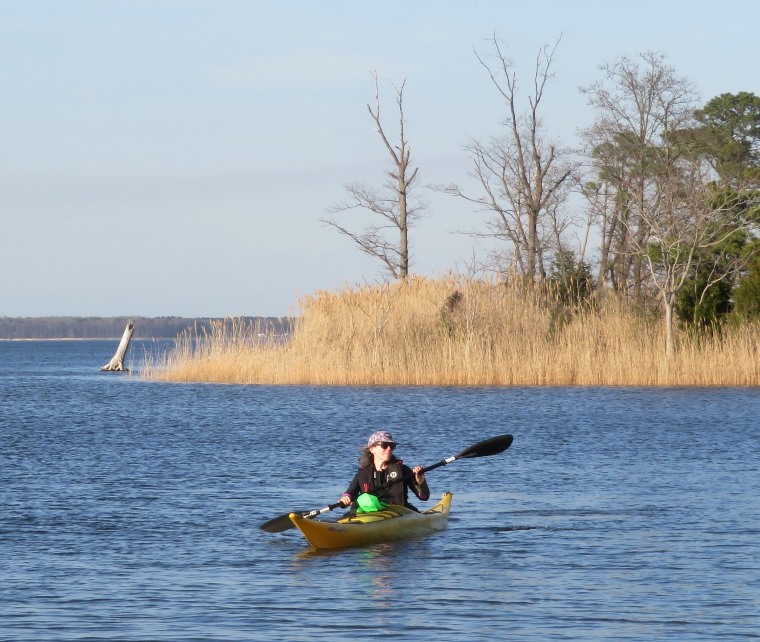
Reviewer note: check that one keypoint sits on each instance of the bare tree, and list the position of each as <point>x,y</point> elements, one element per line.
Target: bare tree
<point>394,206</point>
<point>524,177</point>
<point>639,104</point>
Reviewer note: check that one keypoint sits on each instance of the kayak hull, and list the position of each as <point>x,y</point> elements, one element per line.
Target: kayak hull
<point>390,524</point>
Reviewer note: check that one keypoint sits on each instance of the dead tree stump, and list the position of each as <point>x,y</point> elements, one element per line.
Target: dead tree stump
<point>116,364</point>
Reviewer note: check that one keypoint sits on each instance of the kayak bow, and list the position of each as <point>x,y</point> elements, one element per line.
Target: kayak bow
<point>390,524</point>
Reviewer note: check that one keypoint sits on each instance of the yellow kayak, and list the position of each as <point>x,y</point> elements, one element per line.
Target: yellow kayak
<point>390,524</point>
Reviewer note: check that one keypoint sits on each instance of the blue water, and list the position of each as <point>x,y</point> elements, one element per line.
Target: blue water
<point>129,510</point>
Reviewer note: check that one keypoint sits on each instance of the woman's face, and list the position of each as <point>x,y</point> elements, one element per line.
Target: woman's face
<point>382,452</point>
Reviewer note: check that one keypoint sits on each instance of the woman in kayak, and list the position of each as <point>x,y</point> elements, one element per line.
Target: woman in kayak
<point>382,474</point>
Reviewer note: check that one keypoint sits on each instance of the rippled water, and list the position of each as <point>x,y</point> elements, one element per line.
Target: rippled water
<point>130,510</point>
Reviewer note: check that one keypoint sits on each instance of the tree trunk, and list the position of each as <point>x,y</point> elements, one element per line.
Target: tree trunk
<point>116,364</point>
<point>669,300</point>
<point>403,266</point>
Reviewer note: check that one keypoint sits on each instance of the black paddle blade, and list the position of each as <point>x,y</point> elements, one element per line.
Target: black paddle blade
<point>278,524</point>
<point>492,446</point>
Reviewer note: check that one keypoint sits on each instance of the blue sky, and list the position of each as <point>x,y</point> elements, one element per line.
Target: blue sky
<point>175,157</point>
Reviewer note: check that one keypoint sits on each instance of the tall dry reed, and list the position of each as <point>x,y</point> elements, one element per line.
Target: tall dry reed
<point>464,332</point>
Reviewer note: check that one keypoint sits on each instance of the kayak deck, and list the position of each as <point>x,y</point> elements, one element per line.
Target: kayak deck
<point>390,524</point>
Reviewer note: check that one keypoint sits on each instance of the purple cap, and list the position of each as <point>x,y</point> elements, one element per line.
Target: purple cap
<point>377,437</point>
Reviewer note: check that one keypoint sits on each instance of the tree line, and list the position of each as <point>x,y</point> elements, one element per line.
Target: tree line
<point>113,327</point>
<point>669,187</point>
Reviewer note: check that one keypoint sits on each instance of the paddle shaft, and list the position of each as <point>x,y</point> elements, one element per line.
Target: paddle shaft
<point>320,511</point>
<point>443,462</point>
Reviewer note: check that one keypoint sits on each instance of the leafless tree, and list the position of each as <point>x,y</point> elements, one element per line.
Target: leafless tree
<point>639,104</point>
<point>525,179</point>
<point>394,207</point>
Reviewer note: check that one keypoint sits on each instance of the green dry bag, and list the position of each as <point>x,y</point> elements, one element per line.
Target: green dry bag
<point>367,503</point>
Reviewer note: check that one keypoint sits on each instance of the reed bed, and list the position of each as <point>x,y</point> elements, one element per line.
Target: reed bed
<point>460,331</point>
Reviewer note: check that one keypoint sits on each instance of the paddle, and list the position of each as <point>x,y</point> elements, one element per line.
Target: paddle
<point>492,446</point>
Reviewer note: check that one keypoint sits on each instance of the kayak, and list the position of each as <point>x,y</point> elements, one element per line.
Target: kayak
<point>387,525</point>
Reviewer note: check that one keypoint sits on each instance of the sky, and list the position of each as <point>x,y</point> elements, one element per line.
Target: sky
<point>177,157</point>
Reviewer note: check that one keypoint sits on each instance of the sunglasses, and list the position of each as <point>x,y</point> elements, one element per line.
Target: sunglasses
<point>385,444</point>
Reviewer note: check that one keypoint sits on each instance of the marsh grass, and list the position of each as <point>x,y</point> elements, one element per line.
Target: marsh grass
<point>459,331</point>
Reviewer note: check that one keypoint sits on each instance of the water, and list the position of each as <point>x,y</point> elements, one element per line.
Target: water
<point>129,510</point>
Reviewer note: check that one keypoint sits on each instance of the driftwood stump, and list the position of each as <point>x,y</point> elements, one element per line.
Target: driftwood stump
<point>116,364</point>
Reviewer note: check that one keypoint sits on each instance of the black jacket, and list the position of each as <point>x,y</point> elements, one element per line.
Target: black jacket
<point>399,479</point>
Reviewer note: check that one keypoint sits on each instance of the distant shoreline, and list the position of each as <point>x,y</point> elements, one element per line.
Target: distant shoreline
<point>108,328</point>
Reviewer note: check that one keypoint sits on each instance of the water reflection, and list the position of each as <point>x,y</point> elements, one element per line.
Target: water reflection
<point>376,571</point>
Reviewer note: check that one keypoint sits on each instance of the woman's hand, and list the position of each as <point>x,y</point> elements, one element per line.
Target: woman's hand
<point>345,500</point>
<point>419,476</point>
